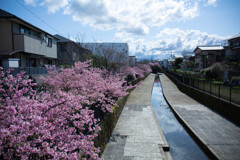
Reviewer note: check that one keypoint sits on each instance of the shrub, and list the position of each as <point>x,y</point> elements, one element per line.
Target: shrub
<point>190,74</point>
<point>234,79</point>
<point>213,72</point>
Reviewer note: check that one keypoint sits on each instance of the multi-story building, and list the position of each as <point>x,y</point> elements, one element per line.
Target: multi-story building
<point>113,52</point>
<point>23,44</point>
<point>205,56</point>
<point>69,51</point>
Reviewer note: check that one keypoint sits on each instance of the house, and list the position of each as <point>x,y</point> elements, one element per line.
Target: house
<point>69,51</point>
<point>233,49</point>
<point>113,52</point>
<point>177,56</point>
<point>205,56</point>
<point>171,63</point>
<point>132,60</point>
<point>23,44</point>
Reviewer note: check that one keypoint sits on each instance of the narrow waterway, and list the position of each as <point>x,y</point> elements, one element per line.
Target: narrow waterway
<point>182,146</point>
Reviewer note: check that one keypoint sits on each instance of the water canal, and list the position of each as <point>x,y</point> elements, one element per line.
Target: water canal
<point>182,146</point>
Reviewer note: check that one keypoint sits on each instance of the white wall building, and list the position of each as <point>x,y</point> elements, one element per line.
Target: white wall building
<point>113,52</point>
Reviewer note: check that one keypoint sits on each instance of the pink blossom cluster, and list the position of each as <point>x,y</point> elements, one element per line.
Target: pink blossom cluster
<point>46,124</point>
<point>134,72</point>
<point>154,64</point>
<point>58,123</point>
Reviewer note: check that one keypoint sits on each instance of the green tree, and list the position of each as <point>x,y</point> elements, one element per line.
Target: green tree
<point>178,61</point>
<point>191,65</point>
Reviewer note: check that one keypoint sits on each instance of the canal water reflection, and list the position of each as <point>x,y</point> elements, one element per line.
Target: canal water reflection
<point>182,146</point>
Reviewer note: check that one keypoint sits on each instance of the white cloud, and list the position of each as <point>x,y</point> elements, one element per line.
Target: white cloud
<point>212,2</point>
<point>171,41</point>
<point>131,16</point>
<point>31,2</point>
<point>177,40</point>
<point>54,5</point>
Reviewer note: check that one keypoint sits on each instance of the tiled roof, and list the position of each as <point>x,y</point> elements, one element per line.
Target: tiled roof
<point>178,56</point>
<point>210,48</point>
<point>236,36</point>
<point>62,39</point>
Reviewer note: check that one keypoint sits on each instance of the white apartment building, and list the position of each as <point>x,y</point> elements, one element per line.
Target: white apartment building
<point>113,52</point>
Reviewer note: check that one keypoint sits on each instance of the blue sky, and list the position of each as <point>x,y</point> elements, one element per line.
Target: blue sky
<point>150,27</point>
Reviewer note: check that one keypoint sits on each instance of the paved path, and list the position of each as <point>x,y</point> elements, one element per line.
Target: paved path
<point>137,134</point>
<point>218,134</point>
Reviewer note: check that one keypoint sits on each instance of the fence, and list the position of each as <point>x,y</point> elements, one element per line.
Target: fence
<point>228,93</point>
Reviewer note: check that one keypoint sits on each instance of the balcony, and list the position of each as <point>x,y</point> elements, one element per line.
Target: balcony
<point>33,45</point>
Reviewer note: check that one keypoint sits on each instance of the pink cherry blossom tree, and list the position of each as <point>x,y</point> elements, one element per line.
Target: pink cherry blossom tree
<point>58,123</point>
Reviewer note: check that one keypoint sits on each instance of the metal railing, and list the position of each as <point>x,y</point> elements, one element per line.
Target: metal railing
<point>228,93</point>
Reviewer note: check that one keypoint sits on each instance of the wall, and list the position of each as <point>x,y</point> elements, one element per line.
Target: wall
<point>5,37</point>
<point>32,45</point>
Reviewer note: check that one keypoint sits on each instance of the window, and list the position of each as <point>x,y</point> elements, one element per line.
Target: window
<point>27,31</point>
<point>21,30</point>
<point>49,42</point>
<point>36,34</point>
<point>24,30</point>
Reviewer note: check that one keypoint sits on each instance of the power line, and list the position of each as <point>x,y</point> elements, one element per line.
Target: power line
<point>37,16</point>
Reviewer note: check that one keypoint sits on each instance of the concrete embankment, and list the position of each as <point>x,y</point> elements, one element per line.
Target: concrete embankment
<point>219,136</point>
<point>137,134</point>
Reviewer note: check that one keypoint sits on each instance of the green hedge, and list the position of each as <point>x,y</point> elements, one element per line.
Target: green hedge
<point>190,74</point>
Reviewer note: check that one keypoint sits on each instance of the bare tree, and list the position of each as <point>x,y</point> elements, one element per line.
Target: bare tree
<point>71,51</point>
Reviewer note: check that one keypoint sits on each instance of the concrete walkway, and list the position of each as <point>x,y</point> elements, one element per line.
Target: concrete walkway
<point>220,136</point>
<point>137,135</point>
